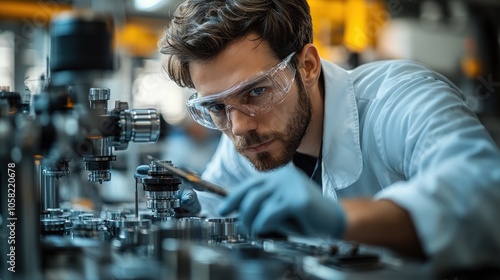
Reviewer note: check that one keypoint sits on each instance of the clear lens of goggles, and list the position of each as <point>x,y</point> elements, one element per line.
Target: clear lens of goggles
<point>258,95</point>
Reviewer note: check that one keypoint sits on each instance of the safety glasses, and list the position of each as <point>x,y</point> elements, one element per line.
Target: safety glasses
<point>255,96</point>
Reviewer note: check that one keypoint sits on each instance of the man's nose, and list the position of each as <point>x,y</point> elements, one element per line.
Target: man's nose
<point>240,122</point>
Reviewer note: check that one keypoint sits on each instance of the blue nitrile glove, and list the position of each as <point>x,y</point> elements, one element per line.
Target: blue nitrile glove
<point>190,205</point>
<point>141,171</point>
<point>189,200</point>
<point>286,202</point>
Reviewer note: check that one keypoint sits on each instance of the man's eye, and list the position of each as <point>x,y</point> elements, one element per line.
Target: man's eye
<point>216,108</point>
<point>257,91</point>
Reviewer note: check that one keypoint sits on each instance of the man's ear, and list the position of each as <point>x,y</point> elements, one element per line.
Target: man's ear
<point>309,65</point>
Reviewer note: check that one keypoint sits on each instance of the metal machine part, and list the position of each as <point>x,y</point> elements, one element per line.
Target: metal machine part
<point>81,47</point>
<point>89,227</point>
<point>114,130</point>
<point>54,222</point>
<point>225,230</point>
<point>118,224</point>
<point>50,173</point>
<point>161,189</point>
<point>192,228</point>
<point>136,125</point>
<point>98,161</point>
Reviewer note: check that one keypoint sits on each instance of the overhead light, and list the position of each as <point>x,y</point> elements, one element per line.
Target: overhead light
<point>149,5</point>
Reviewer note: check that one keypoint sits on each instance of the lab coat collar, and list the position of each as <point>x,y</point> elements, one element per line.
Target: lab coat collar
<point>342,160</point>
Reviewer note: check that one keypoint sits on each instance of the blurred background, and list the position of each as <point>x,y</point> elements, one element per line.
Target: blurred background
<point>459,38</point>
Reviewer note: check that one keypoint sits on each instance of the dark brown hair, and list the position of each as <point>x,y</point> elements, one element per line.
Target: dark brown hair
<point>201,29</point>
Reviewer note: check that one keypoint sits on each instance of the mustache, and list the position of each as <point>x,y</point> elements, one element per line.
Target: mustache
<point>253,138</point>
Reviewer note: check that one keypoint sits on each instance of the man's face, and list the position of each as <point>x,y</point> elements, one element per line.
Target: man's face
<point>269,140</point>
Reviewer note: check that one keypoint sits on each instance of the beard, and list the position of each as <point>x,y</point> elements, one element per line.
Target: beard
<point>296,125</point>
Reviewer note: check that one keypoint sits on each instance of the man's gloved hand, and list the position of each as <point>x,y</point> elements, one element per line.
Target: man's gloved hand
<point>287,202</point>
<point>189,200</point>
<point>141,171</point>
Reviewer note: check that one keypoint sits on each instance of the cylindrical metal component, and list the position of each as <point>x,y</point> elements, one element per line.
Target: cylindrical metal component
<point>81,42</point>
<point>139,125</point>
<point>161,190</point>
<point>74,214</point>
<point>99,160</point>
<point>193,229</point>
<point>224,230</point>
<point>162,202</point>
<point>49,192</point>
<point>52,226</point>
<point>89,227</point>
<point>99,94</point>
<point>115,214</point>
<point>98,98</point>
<point>49,198</point>
<point>38,179</point>
<point>145,125</point>
<point>85,216</point>
<point>101,146</point>
<point>54,212</point>
<point>135,236</point>
<point>99,176</point>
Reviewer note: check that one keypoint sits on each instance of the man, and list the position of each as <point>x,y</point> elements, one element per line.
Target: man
<point>387,154</point>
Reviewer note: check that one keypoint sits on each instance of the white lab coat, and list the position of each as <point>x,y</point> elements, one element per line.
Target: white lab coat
<point>399,131</point>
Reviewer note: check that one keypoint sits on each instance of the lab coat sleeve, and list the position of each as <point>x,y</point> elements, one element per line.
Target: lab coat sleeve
<point>226,168</point>
<point>452,166</point>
